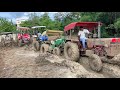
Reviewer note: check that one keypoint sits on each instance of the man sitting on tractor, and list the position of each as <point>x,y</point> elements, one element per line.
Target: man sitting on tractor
<point>82,37</point>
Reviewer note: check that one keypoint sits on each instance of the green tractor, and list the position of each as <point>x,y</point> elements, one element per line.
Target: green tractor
<point>54,47</point>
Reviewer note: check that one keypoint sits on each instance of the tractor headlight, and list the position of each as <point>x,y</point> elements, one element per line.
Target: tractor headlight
<point>52,42</point>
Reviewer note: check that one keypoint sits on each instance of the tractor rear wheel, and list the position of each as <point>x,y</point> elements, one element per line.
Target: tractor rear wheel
<point>31,40</point>
<point>20,43</point>
<point>44,48</point>
<point>2,42</point>
<point>16,40</point>
<point>71,51</point>
<point>95,63</point>
<point>36,46</point>
<point>56,51</point>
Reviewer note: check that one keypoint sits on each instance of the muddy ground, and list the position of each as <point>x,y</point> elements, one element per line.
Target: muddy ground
<point>23,62</point>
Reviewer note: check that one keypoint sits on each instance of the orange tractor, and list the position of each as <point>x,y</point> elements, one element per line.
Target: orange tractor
<point>98,49</point>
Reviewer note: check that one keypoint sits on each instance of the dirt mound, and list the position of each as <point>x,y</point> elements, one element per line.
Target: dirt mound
<point>113,71</point>
<point>108,70</point>
<point>21,63</point>
<point>40,60</point>
<point>29,47</point>
<point>67,68</point>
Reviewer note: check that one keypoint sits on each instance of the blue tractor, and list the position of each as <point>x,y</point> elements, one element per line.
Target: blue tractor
<point>39,36</point>
<point>42,38</point>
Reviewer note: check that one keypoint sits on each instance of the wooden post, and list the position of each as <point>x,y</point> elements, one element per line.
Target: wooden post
<point>99,32</point>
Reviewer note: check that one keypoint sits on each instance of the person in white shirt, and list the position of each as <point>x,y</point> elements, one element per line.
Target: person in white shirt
<point>39,34</point>
<point>82,36</point>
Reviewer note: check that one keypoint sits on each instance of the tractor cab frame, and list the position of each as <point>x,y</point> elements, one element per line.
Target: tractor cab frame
<point>72,29</point>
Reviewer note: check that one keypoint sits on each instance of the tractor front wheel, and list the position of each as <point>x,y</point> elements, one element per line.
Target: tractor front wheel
<point>36,46</point>
<point>56,51</point>
<point>44,48</point>
<point>3,42</point>
<point>71,51</point>
<point>20,43</point>
<point>31,40</point>
<point>95,63</point>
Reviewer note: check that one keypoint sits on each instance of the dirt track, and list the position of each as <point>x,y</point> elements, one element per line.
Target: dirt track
<point>25,63</point>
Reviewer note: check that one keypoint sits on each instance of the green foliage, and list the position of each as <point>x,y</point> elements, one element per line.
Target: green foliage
<point>86,18</point>
<point>26,23</point>
<point>43,20</point>
<point>111,20</point>
<point>117,24</point>
<point>104,33</point>
<point>6,26</point>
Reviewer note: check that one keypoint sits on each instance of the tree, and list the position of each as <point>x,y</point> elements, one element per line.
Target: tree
<point>6,26</point>
<point>46,21</point>
<point>117,26</point>
<point>89,16</point>
<point>43,20</point>
<point>61,19</point>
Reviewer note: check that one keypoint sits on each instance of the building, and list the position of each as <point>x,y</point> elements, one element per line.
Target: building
<point>18,22</point>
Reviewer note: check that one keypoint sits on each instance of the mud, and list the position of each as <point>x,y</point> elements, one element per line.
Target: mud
<point>23,62</point>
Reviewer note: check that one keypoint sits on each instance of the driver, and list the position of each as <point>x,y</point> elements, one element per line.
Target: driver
<point>82,36</point>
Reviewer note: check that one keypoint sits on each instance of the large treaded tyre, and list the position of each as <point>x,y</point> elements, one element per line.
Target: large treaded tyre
<point>2,42</point>
<point>31,40</point>
<point>71,51</point>
<point>36,46</point>
<point>20,43</point>
<point>56,51</point>
<point>15,41</point>
<point>44,48</point>
<point>95,63</point>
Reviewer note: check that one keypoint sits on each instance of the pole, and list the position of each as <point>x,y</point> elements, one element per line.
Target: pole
<point>70,33</point>
<point>99,33</point>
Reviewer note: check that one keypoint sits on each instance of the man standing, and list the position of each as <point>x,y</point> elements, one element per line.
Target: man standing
<point>82,36</point>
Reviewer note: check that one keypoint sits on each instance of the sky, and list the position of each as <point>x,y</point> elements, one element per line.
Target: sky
<point>21,15</point>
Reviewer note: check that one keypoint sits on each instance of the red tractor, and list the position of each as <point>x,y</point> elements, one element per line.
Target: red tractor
<point>98,49</point>
<point>24,36</point>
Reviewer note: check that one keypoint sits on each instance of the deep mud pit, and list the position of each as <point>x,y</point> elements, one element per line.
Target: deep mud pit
<point>23,62</point>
